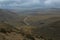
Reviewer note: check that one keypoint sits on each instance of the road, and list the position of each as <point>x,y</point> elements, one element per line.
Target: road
<point>25,20</point>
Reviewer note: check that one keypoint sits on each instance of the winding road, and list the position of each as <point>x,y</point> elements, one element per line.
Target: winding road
<point>25,20</point>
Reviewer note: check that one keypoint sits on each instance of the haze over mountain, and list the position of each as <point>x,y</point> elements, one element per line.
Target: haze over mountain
<point>37,11</point>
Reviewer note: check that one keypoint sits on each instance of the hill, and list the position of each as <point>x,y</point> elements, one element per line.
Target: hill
<point>9,17</point>
<point>14,26</point>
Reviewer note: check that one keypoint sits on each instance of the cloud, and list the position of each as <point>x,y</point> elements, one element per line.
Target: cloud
<point>29,3</point>
<point>52,3</point>
<point>20,3</point>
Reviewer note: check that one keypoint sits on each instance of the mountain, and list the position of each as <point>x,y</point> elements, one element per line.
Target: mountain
<point>8,17</point>
<point>36,11</point>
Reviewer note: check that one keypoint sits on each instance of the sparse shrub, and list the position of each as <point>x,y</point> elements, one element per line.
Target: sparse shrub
<point>27,32</point>
<point>27,29</point>
<point>6,28</point>
<point>2,30</point>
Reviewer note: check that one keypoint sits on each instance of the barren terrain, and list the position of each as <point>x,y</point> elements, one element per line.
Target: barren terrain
<point>37,27</point>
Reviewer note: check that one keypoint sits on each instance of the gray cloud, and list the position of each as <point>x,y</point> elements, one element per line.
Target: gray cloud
<point>29,3</point>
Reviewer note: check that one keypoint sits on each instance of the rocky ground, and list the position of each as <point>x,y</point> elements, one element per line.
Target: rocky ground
<point>48,28</point>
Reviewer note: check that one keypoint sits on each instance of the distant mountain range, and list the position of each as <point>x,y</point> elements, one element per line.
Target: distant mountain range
<point>37,11</point>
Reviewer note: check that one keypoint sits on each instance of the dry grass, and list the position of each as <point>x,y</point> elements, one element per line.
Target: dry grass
<point>45,31</point>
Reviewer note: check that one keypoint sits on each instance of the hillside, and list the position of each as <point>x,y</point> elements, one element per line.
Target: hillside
<point>14,26</point>
<point>9,17</point>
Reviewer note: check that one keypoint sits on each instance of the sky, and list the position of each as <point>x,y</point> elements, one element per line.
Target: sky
<point>14,4</point>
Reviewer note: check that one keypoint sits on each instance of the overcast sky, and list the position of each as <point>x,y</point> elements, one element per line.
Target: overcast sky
<point>29,3</point>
